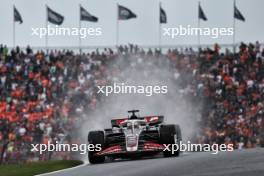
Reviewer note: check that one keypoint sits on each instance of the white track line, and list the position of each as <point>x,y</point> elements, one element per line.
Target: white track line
<point>62,170</point>
<point>84,164</point>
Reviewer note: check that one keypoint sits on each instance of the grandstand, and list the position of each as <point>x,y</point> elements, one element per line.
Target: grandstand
<point>43,94</point>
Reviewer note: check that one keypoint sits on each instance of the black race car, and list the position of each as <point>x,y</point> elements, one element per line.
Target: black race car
<point>134,137</point>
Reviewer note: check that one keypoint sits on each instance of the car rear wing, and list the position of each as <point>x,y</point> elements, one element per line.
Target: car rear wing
<point>150,120</point>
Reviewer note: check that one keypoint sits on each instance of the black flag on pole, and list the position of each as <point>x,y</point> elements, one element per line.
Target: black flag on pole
<point>54,17</point>
<point>17,16</point>
<point>238,15</point>
<point>163,16</point>
<point>125,13</point>
<point>201,14</point>
<point>86,16</point>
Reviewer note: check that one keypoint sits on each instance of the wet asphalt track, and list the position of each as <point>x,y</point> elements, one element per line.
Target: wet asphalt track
<point>237,163</point>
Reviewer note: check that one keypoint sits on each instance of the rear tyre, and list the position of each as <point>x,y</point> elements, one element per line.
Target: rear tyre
<point>170,134</point>
<point>95,137</point>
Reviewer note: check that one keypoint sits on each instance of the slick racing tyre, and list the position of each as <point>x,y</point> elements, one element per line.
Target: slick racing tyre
<point>95,137</point>
<point>170,134</point>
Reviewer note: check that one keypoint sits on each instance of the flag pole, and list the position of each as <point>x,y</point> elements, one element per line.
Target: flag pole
<point>234,28</point>
<point>46,37</point>
<point>80,40</point>
<point>199,41</point>
<point>117,25</point>
<point>14,27</point>
<point>159,27</point>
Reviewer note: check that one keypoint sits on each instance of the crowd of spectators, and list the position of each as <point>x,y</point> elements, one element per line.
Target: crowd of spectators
<point>233,86</point>
<point>42,96</point>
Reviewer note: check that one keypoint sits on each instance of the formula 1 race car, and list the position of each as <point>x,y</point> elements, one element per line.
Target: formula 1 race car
<point>134,137</point>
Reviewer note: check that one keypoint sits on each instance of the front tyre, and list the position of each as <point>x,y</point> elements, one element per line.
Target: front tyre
<point>96,137</point>
<point>170,134</point>
<point>262,138</point>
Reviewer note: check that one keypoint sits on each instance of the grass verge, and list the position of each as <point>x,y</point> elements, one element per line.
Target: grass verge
<point>36,167</point>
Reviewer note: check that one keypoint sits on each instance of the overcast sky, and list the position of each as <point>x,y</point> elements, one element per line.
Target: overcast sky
<point>143,30</point>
